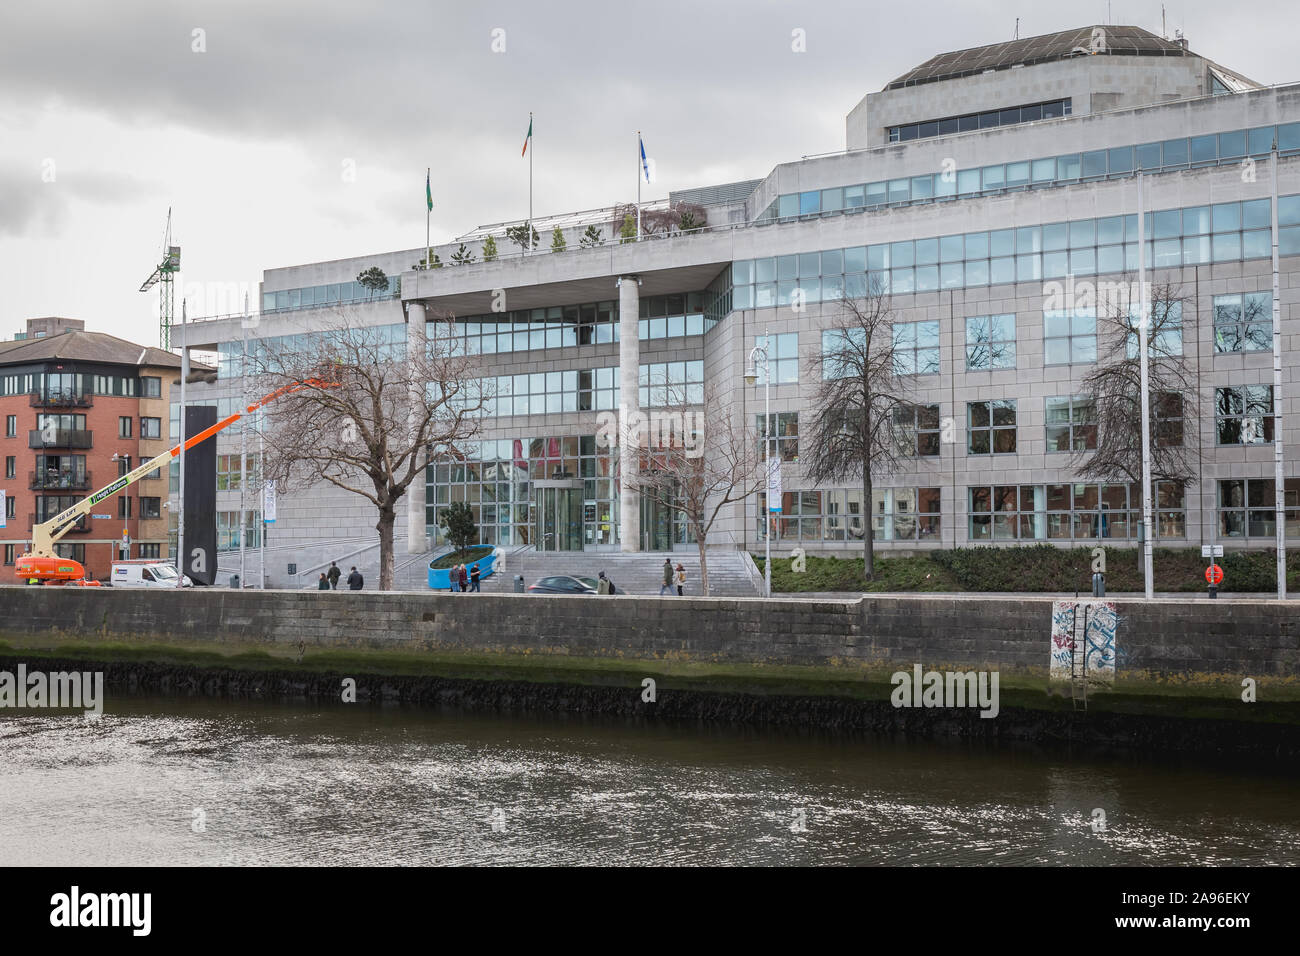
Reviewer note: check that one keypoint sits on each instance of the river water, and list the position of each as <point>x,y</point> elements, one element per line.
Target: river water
<point>182,781</point>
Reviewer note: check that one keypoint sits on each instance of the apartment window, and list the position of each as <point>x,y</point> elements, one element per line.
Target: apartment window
<point>916,428</point>
<point>153,551</point>
<point>1244,414</point>
<point>1168,408</point>
<point>1243,322</point>
<point>9,554</point>
<point>916,348</point>
<point>150,386</point>
<point>1247,508</point>
<point>670,384</point>
<point>783,428</point>
<point>124,506</point>
<point>782,356</point>
<point>228,476</point>
<point>1165,336</point>
<point>76,552</point>
<point>1071,424</point>
<point>11,506</point>
<point>990,342</point>
<point>124,426</point>
<point>150,507</point>
<point>123,465</point>
<point>1069,337</point>
<point>11,466</point>
<point>11,426</point>
<point>991,427</point>
<point>151,428</point>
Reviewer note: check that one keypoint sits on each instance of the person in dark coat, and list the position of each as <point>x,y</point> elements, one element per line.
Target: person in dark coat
<point>463,577</point>
<point>334,575</point>
<point>355,580</point>
<point>473,579</point>
<point>324,583</point>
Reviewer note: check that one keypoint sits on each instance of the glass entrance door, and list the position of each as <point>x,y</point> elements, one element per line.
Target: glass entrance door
<point>656,525</point>
<point>559,517</point>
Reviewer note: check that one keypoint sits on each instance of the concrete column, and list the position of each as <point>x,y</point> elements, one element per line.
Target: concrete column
<point>415,528</point>
<point>629,369</point>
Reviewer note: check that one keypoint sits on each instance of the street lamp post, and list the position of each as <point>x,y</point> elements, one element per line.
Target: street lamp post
<point>758,354</point>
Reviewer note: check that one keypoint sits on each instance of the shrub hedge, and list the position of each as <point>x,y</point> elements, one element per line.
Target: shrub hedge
<point>1038,567</point>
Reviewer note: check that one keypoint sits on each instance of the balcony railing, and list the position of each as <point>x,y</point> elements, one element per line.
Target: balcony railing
<point>60,438</point>
<point>53,479</point>
<point>82,525</point>
<point>59,399</point>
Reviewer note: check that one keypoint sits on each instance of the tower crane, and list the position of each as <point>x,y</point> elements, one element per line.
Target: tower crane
<point>162,276</point>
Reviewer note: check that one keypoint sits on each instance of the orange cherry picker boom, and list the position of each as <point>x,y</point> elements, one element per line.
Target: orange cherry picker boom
<point>42,564</point>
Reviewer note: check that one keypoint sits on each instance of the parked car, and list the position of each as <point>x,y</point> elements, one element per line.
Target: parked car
<point>563,584</point>
<point>144,574</point>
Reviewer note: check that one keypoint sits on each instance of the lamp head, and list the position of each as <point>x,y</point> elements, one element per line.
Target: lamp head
<point>751,376</point>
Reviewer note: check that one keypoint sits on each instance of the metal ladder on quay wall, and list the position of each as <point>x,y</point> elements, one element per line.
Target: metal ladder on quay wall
<point>1079,657</point>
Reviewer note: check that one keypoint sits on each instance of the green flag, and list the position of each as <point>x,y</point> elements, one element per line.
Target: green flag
<point>428,192</point>
<point>529,136</point>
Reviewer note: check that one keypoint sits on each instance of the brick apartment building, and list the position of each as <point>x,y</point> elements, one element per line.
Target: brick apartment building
<point>81,408</point>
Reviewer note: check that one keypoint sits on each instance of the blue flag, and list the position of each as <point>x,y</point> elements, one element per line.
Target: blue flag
<point>644,165</point>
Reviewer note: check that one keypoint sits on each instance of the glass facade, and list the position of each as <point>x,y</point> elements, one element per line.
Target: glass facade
<point>1212,149</point>
<point>335,293</point>
<point>1246,508</point>
<point>985,120</point>
<point>1194,235</point>
<point>1072,511</point>
<point>816,517</point>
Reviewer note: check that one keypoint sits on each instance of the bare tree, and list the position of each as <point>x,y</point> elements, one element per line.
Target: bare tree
<point>368,434</point>
<point>1115,388</point>
<point>856,404</point>
<point>678,217</point>
<point>697,470</point>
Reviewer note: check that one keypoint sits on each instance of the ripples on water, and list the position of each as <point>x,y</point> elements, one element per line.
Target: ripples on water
<point>282,784</point>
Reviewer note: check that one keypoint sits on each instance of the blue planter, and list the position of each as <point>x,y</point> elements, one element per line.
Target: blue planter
<point>439,578</point>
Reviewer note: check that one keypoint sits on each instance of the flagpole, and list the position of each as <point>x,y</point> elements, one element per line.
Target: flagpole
<point>428,249</point>
<point>638,185</point>
<point>530,182</point>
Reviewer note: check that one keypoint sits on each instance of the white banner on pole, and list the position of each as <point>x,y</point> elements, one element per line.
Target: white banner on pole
<point>268,503</point>
<point>774,485</point>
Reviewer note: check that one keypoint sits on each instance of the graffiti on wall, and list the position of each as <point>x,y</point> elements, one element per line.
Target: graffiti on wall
<point>1086,650</point>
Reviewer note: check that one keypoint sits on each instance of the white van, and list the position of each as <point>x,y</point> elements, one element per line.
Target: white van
<point>144,574</point>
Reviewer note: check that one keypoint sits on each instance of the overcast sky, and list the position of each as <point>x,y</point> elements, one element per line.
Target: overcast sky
<point>291,131</point>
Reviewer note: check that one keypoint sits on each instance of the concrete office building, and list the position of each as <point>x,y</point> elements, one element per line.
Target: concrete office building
<point>971,184</point>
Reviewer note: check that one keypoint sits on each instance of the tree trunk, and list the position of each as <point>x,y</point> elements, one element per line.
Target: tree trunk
<point>387,571</point>
<point>868,537</point>
<point>704,564</point>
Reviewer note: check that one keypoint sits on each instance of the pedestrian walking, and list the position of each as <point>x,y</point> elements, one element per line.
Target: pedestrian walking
<point>334,574</point>
<point>602,586</point>
<point>473,579</point>
<point>681,579</point>
<point>668,578</point>
<point>463,578</point>
<point>355,580</point>
<point>324,583</point>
